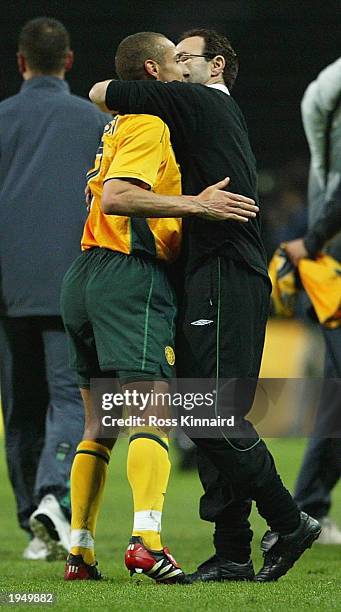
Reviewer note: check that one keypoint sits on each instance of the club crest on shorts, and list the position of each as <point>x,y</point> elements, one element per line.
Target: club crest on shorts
<point>170,355</point>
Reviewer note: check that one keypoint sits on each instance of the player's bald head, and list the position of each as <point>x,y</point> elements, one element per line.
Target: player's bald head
<point>135,50</point>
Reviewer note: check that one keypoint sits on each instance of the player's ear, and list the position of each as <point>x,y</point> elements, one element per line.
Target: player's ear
<point>69,58</point>
<point>152,68</point>
<point>21,63</point>
<point>217,65</point>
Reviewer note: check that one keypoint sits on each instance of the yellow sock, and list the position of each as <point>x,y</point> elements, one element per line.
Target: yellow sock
<point>88,477</point>
<point>148,469</point>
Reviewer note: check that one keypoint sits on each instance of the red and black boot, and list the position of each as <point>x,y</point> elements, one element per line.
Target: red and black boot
<point>77,569</point>
<point>159,565</point>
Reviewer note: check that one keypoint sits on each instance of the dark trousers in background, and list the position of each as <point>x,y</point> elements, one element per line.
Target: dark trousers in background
<point>42,409</point>
<point>321,467</point>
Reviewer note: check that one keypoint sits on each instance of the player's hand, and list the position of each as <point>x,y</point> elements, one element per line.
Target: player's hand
<point>295,249</point>
<point>88,197</point>
<point>219,205</point>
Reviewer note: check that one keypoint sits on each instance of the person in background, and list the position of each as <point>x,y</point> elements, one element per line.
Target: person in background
<point>321,113</point>
<point>48,138</point>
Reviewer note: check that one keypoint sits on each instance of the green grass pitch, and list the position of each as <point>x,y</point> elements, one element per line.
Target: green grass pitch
<point>313,584</point>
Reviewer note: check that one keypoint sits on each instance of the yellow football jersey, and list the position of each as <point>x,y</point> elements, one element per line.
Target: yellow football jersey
<point>320,277</point>
<point>136,147</point>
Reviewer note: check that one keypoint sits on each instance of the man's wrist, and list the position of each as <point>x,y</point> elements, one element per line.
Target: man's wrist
<point>195,205</point>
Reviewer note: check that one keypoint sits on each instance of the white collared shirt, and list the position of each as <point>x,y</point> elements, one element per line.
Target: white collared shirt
<point>219,86</point>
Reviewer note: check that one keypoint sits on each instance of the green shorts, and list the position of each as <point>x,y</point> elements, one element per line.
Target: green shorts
<point>119,314</point>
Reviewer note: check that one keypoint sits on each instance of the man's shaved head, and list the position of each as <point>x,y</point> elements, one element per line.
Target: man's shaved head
<point>134,50</point>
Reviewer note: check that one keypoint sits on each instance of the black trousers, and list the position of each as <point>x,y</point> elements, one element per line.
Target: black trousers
<point>220,337</point>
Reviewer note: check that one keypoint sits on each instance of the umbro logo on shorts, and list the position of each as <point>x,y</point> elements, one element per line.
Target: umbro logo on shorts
<point>202,322</point>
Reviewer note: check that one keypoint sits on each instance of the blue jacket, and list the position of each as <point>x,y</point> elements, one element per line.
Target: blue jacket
<point>48,141</point>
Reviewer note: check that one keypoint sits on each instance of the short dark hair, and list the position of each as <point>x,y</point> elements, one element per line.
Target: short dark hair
<point>134,50</point>
<point>217,44</point>
<point>44,42</point>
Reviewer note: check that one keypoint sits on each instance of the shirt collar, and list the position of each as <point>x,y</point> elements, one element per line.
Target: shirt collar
<point>45,82</point>
<point>219,86</point>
